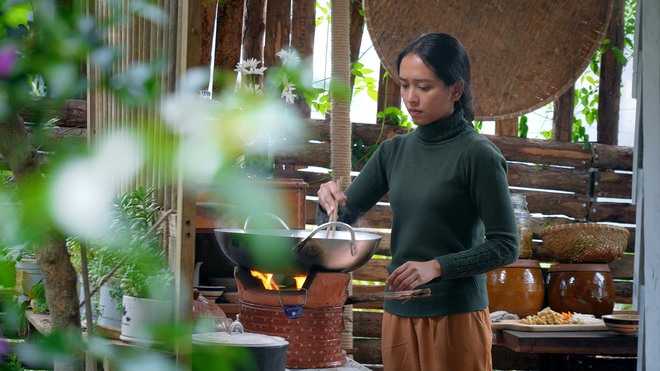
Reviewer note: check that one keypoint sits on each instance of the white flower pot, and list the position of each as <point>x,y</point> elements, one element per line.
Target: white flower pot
<point>141,316</point>
<point>109,316</point>
<point>28,274</point>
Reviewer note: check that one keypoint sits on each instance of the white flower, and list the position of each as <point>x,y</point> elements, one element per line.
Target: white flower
<point>250,67</point>
<point>250,73</point>
<point>289,57</point>
<point>287,90</point>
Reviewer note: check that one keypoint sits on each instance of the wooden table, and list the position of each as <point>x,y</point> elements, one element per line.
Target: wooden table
<point>565,350</point>
<point>569,342</point>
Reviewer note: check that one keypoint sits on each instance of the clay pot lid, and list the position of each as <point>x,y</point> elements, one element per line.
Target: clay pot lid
<point>524,263</point>
<point>582,267</point>
<point>523,54</point>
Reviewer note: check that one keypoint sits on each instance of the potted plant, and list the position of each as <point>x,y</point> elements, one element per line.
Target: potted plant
<point>128,266</point>
<point>28,272</point>
<point>145,280</point>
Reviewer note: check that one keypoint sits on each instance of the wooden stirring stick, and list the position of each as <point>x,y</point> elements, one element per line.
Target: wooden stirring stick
<point>330,231</point>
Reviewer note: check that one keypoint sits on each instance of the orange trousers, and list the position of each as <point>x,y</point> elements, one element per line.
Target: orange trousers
<point>456,342</point>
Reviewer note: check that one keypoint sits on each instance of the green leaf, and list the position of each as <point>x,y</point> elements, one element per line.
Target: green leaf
<point>522,127</point>
<point>619,57</point>
<point>589,117</point>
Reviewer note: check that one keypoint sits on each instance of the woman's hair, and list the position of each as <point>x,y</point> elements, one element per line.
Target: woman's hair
<point>445,56</point>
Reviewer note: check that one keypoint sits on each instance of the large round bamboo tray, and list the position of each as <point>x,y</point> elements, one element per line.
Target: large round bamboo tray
<point>523,54</point>
<point>585,242</point>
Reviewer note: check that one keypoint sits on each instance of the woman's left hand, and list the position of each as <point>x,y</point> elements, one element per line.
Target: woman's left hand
<point>412,274</point>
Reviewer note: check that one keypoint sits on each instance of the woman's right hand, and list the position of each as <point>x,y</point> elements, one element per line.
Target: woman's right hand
<point>330,195</point>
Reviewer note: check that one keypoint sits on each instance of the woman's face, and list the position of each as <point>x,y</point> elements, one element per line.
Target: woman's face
<point>426,96</point>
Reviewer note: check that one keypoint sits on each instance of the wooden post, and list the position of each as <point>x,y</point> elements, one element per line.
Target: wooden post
<point>355,34</point>
<point>278,29</point>
<point>389,94</point>
<point>609,87</point>
<point>229,36</point>
<point>253,33</point>
<point>562,119</point>
<point>303,25</point>
<point>182,259</point>
<point>507,127</point>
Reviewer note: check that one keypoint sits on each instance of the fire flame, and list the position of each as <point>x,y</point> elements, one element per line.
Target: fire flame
<point>266,280</point>
<point>300,281</point>
<point>269,284</point>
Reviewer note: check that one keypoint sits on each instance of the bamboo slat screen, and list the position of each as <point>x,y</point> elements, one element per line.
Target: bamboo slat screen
<point>138,40</point>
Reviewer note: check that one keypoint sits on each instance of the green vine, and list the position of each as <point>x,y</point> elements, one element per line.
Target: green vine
<point>586,96</point>
<point>586,93</point>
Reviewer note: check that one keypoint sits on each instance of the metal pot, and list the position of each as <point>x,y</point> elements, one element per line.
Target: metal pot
<point>267,352</point>
<point>297,252</point>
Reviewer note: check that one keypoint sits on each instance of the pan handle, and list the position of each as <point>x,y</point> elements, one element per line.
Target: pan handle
<point>321,227</point>
<point>247,220</point>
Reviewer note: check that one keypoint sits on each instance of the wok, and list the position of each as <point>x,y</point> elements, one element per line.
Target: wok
<point>297,252</point>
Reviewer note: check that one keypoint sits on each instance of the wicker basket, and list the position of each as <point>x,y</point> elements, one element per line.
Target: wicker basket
<point>585,242</point>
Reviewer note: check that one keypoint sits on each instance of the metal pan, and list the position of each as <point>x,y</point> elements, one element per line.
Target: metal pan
<point>297,252</point>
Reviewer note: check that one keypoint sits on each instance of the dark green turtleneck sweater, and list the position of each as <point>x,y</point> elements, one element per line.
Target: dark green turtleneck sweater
<point>450,201</point>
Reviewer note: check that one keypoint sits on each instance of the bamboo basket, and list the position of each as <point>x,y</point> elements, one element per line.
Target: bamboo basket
<point>523,54</point>
<point>585,242</point>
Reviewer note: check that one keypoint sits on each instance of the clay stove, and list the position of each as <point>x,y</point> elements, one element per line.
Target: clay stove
<point>310,318</point>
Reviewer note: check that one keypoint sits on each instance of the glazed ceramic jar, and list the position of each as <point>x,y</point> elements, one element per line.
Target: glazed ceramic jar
<point>517,288</point>
<point>581,288</point>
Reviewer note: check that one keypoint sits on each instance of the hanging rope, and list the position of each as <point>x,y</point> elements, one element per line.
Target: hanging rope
<point>340,121</point>
<point>340,129</point>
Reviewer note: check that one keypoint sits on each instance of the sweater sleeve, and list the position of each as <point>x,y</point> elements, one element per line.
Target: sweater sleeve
<point>486,176</point>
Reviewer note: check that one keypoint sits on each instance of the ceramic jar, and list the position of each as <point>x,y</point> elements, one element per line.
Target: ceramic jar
<point>581,288</point>
<point>517,288</point>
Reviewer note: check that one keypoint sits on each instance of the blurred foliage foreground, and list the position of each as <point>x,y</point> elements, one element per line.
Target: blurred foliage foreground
<point>66,194</point>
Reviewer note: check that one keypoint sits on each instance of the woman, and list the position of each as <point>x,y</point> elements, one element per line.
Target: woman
<point>452,218</point>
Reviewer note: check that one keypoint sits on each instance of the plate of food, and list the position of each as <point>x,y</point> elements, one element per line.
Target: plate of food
<point>549,320</point>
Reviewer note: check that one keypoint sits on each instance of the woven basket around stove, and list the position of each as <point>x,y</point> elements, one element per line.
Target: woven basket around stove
<point>314,338</point>
<point>585,242</point>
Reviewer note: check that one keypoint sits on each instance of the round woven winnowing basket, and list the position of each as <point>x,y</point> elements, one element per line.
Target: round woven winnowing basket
<point>523,54</point>
<point>585,242</point>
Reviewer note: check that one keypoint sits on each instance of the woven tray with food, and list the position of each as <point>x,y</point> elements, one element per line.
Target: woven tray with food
<point>549,320</point>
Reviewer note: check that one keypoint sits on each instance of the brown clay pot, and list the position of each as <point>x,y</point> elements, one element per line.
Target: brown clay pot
<point>516,288</point>
<point>581,288</point>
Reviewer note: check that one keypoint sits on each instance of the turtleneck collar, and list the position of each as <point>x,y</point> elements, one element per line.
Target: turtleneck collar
<point>443,129</point>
